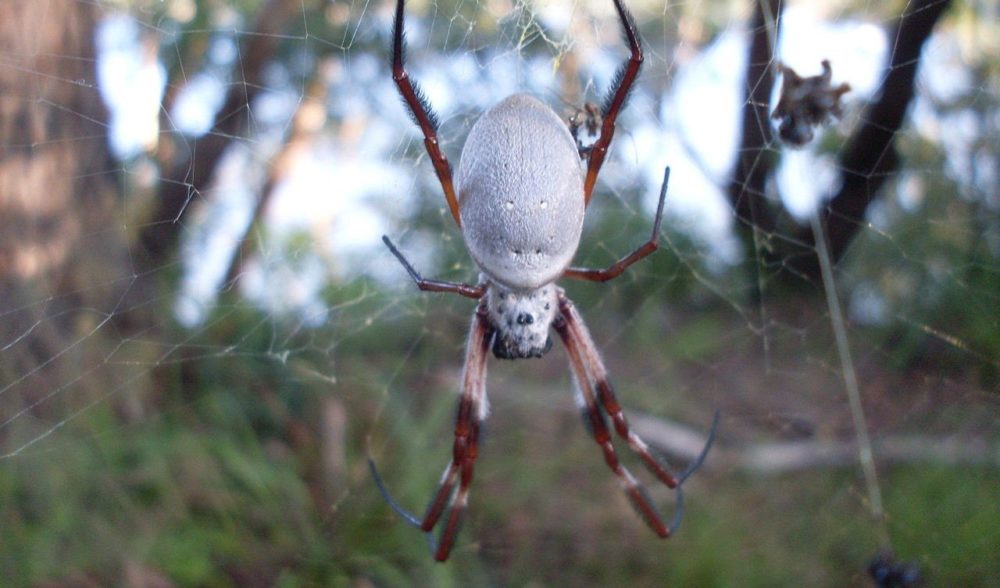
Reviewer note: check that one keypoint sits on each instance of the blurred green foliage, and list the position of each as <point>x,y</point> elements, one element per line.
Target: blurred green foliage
<point>224,485</point>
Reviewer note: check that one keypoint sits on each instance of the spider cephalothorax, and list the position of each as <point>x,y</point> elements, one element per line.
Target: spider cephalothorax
<point>520,199</point>
<point>521,320</point>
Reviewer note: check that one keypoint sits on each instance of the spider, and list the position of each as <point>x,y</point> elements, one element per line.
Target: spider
<point>520,199</point>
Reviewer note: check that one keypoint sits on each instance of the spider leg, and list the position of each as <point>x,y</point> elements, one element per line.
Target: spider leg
<point>590,373</point>
<point>615,100</point>
<point>598,427</point>
<point>421,112</point>
<point>616,269</point>
<point>465,450</point>
<point>467,290</point>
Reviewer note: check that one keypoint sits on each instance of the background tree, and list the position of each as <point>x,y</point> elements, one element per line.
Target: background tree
<point>867,161</point>
<point>61,271</point>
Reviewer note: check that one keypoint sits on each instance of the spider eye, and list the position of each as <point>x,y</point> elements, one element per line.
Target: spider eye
<point>525,319</point>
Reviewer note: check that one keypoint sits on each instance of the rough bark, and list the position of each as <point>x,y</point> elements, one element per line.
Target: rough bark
<point>63,266</point>
<point>54,166</point>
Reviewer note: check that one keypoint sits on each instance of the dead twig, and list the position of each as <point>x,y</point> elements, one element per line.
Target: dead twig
<point>683,443</point>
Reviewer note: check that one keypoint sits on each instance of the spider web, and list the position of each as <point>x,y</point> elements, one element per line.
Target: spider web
<point>204,416</point>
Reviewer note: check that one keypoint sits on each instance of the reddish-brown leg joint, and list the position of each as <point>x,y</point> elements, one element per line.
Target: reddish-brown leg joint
<point>467,290</point>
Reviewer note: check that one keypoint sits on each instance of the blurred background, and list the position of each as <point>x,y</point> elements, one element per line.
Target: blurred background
<point>202,338</point>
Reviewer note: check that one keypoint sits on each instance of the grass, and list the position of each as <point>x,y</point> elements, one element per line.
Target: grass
<point>228,481</point>
<point>203,501</point>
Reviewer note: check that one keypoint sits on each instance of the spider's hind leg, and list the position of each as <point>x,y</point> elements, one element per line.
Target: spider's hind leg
<point>601,406</point>
<point>597,423</point>
<point>465,450</point>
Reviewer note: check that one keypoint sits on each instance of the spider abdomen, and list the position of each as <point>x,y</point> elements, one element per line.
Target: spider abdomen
<point>520,193</point>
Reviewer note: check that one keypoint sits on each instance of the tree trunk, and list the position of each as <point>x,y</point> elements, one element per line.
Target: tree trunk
<point>867,161</point>
<point>56,181</point>
<point>63,263</point>
<point>753,162</point>
<point>870,158</point>
<point>188,176</point>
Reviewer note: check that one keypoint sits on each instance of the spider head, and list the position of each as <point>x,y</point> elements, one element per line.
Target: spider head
<point>521,320</point>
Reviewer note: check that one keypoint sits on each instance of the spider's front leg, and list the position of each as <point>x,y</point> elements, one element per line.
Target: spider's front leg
<point>590,374</point>
<point>471,412</point>
<point>615,100</point>
<point>422,114</point>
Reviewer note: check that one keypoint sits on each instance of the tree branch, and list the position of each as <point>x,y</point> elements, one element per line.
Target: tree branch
<point>309,117</point>
<point>870,158</point>
<point>190,176</point>
<point>682,443</point>
<point>753,163</point>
